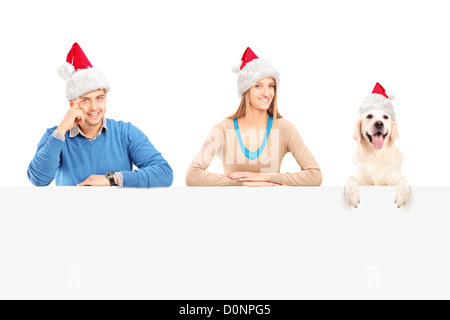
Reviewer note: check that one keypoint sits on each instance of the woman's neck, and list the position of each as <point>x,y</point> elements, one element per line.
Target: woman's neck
<point>255,119</point>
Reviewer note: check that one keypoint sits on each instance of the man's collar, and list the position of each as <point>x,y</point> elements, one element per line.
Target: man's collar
<point>77,131</point>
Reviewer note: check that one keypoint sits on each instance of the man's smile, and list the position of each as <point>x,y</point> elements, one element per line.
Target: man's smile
<point>93,115</point>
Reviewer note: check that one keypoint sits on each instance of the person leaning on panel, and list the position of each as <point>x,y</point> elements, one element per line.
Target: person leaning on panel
<point>87,149</point>
<point>253,141</point>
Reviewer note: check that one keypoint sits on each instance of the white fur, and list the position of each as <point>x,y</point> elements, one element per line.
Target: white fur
<point>254,71</point>
<point>377,167</point>
<point>84,81</point>
<point>235,68</point>
<point>66,71</point>
<point>403,192</point>
<point>391,96</point>
<point>377,101</point>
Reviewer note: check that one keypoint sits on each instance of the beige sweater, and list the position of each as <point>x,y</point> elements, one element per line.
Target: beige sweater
<point>222,141</point>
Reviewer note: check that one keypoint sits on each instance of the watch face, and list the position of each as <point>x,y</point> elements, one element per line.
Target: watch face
<point>110,174</point>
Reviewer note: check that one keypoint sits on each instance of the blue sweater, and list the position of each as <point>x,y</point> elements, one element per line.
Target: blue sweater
<point>74,160</point>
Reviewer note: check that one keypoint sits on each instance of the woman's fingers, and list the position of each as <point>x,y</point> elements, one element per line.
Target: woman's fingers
<point>241,175</point>
<point>260,184</point>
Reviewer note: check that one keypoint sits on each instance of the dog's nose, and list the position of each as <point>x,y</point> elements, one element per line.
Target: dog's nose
<point>379,125</point>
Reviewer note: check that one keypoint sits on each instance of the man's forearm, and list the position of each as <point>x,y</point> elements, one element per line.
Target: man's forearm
<point>156,175</point>
<point>45,163</point>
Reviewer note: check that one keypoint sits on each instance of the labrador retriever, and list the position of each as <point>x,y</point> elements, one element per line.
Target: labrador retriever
<point>378,160</point>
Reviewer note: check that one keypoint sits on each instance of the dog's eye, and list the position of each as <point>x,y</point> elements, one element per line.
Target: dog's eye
<point>386,117</point>
<point>369,116</point>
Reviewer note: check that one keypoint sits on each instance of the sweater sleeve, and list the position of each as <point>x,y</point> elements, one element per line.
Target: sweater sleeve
<point>43,167</point>
<point>196,175</point>
<point>310,174</point>
<point>153,169</point>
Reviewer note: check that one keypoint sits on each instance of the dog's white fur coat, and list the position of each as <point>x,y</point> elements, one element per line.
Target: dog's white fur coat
<point>377,167</point>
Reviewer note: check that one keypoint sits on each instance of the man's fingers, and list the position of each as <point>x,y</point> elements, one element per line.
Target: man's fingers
<point>79,115</point>
<point>95,181</point>
<point>74,105</point>
<point>84,183</point>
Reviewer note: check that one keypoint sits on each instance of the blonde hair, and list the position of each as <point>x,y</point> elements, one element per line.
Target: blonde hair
<point>245,105</point>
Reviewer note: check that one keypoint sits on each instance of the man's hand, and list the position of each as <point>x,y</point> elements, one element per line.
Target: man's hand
<point>74,116</point>
<point>252,179</point>
<point>95,181</point>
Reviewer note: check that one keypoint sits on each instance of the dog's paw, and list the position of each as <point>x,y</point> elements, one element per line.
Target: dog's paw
<point>402,195</point>
<point>352,195</point>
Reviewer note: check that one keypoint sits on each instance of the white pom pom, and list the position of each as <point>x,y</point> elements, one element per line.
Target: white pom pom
<point>235,68</point>
<point>391,95</point>
<point>66,71</point>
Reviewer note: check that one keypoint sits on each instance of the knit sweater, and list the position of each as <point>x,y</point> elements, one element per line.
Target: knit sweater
<point>72,161</point>
<point>223,142</point>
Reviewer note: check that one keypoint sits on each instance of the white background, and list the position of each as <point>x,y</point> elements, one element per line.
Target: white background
<point>148,246</point>
<point>169,66</point>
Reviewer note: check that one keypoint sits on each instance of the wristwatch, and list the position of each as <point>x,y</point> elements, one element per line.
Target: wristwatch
<point>110,176</point>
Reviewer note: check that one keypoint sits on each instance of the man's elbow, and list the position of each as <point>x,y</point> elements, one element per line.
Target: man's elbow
<point>167,178</point>
<point>36,181</point>
<point>39,183</point>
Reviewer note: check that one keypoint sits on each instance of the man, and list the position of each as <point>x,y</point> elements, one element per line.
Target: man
<point>87,149</point>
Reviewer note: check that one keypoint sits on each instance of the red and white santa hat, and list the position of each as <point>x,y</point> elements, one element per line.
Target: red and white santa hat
<point>252,69</point>
<point>80,76</point>
<point>379,99</point>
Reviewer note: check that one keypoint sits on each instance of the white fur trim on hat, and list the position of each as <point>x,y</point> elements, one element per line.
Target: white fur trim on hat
<point>66,71</point>
<point>254,71</point>
<point>235,68</point>
<point>379,102</point>
<point>83,81</point>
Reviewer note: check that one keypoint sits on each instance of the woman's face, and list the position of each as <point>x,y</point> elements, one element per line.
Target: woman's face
<point>262,93</point>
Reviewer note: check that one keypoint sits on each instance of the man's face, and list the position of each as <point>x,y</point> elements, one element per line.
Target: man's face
<point>94,106</point>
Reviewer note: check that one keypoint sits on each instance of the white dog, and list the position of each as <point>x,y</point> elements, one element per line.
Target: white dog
<point>377,161</point>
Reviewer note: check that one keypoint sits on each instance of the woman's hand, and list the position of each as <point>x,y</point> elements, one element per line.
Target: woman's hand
<point>260,184</point>
<point>252,179</point>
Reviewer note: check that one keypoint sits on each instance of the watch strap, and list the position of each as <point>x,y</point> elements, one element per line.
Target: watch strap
<point>110,176</point>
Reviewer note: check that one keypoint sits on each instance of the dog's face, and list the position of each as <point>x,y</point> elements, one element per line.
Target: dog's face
<point>375,127</point>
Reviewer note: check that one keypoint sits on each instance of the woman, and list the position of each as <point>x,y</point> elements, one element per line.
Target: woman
<point>252,142</point>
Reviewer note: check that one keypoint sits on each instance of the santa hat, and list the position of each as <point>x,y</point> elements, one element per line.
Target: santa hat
<point>80,76</point>
<point>379,99</point>
<point>251,70</point>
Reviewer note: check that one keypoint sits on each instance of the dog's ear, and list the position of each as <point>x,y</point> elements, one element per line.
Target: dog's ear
<point>394,131</point>
<point>358,135</point>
